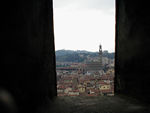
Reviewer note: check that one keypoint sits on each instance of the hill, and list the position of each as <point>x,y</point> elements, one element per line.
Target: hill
<point>79,55</point>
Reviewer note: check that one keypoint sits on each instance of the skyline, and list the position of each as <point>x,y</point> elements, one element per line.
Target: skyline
<point>84,25</point>
<point>84,50</point>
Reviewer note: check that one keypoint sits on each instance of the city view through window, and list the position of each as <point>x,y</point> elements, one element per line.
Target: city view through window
<point>84,43</point>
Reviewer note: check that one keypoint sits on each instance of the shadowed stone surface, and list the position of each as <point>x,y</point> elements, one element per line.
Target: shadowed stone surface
<point>132,58</point>
<point>27,53</point>
<point>103,104</point>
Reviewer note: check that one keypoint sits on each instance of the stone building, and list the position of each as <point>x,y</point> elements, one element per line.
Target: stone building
<point>95,66</point>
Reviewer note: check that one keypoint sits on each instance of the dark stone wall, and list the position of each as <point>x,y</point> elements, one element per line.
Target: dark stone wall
<point>132,49</point>
<point>27,52</point>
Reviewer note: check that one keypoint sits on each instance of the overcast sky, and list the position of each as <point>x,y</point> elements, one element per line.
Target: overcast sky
<point>84,24</point>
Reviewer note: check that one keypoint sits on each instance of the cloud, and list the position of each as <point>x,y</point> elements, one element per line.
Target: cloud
<point>85,4</point>
<point>84,24</point>
<point>84,30</point>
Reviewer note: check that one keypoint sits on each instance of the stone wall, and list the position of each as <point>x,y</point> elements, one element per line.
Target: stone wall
<point>27,52</point>
<point>132,49</point>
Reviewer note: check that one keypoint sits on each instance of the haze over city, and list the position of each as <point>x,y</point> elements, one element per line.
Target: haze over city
<point>84,24</point>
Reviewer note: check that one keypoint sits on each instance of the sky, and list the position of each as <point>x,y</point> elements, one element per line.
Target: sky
<point>84,24</point>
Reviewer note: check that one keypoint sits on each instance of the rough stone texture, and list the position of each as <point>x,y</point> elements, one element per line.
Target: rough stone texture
<point>101,104</point>
<point>132,49</point>
<point>27,52</point>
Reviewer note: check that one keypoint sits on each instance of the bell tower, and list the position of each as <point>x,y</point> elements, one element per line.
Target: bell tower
<point>100,55</point>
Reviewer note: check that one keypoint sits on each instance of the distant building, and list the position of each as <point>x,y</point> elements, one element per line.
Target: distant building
<point>100,55</point>
<point>93,66</point>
